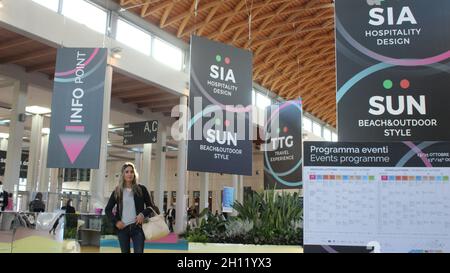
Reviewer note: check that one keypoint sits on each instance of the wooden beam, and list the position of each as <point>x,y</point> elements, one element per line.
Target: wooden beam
<point>28,56</point>
<point>151,101</point>
<point>167,103</point>
<point>161,109</point>
<point>208,19</point>
<point>14,43</point>
<point>186,19</point>
<point>137,93</point>
<point>130,85</point>
<point>150,97</point>
<point>201,8</point>
<point>165,15</point>
<point>40,67</point>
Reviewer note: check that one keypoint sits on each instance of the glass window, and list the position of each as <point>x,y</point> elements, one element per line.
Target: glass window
<point>307,124</point>
<point>253,97</point>
<point>327,134</point>
<point>167,54</point>
<point>50,4</point>
<point>87,14</point>
<point>133,37</point>
<point>317,129</point>
<point>334,137</point>
<point>262,101</point>
<point>84,174</point>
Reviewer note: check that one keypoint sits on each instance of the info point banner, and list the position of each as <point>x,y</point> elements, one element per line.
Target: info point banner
<point>220,132</point>
<point>283,147</point>
<point>393,70</point>
<point>77,108</point>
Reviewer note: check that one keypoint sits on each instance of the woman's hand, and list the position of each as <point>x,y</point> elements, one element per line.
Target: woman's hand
<point>140,219</point>
<point>120,225</point>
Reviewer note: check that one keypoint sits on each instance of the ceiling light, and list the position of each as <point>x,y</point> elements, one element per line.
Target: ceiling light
<point>4,122</point>
<point>37,110</point>
<point>115,53</point>
<point>46,131</point>
<point>3,135</point>
<point>1,4</point>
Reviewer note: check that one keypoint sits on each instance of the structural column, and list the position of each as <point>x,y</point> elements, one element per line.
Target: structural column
<point>16,128</point>
<point>181,212</point>
<point>44,172</point>
<point>138,161</point>
<point>241,189</point>
<point>204,191</point>
<point>235,187</point>
<point>97,185</point>
<point>146,166</point>
<point>54,193</point>
<point>161,169</point>
<point>35,150</point>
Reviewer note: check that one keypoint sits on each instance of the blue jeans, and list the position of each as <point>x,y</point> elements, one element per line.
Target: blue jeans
<point>134,233</point>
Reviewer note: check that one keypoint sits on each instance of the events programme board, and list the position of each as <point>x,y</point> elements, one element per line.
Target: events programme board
<point>387,197</point>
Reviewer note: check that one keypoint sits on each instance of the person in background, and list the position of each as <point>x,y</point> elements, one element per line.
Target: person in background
<point>3,198</point>
<point>170,217</point>
<point>68,207</point>
<point>37,205</point>
<point>133,203</point>
<point>10,206</point>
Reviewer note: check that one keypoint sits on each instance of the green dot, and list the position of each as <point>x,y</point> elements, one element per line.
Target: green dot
<point>218,58</point>
<point>278,130</point>
<point>388,84</point>
<point>218,122</point>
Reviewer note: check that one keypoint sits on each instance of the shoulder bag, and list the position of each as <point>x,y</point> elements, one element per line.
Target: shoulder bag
<point>155,227</point>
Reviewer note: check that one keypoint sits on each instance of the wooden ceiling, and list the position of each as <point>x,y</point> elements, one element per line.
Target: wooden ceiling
<point>292,41</point>
<point>35,56</point>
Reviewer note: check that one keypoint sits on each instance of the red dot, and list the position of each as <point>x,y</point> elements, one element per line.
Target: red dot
<point>227,60</point>
<point>404,84</point>
<point>227,123</point>
<point>285,129</point>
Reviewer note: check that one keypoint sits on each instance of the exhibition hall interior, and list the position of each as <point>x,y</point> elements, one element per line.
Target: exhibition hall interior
<point>212,126</point>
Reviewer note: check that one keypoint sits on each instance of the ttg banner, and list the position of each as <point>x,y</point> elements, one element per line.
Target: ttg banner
<point>283,150</point>
<point>220,139</point>
<point>77,108</point>
<point>393,65</point>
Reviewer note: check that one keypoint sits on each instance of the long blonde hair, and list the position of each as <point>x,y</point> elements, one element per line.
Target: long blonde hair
<point>134,184</point>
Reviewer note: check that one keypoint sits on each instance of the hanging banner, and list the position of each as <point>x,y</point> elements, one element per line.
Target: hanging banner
<point>220,139</point>
<point>77,108</point>
<point>283,152</point>
<point>376,196</point>
<point>393,70</point>
<point>228,199</point>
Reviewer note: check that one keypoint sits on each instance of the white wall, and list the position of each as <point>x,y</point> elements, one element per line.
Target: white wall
<point>32,20</point>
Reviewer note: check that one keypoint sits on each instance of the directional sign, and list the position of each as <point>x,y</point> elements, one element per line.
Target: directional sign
<point>140,132</point>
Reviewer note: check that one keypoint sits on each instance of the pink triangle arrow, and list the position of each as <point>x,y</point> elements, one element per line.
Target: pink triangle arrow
<point>74,145</point>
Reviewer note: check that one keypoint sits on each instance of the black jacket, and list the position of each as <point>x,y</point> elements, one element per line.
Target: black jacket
<point>69,209</point>
<point>141,203</point>
<point>4,200</point>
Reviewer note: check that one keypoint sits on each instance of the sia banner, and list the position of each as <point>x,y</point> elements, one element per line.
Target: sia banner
<point>77,108</point>
<point>220,105</point>
<point>393,64</point>
<point>283,153</point>
<point>376,196</point>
